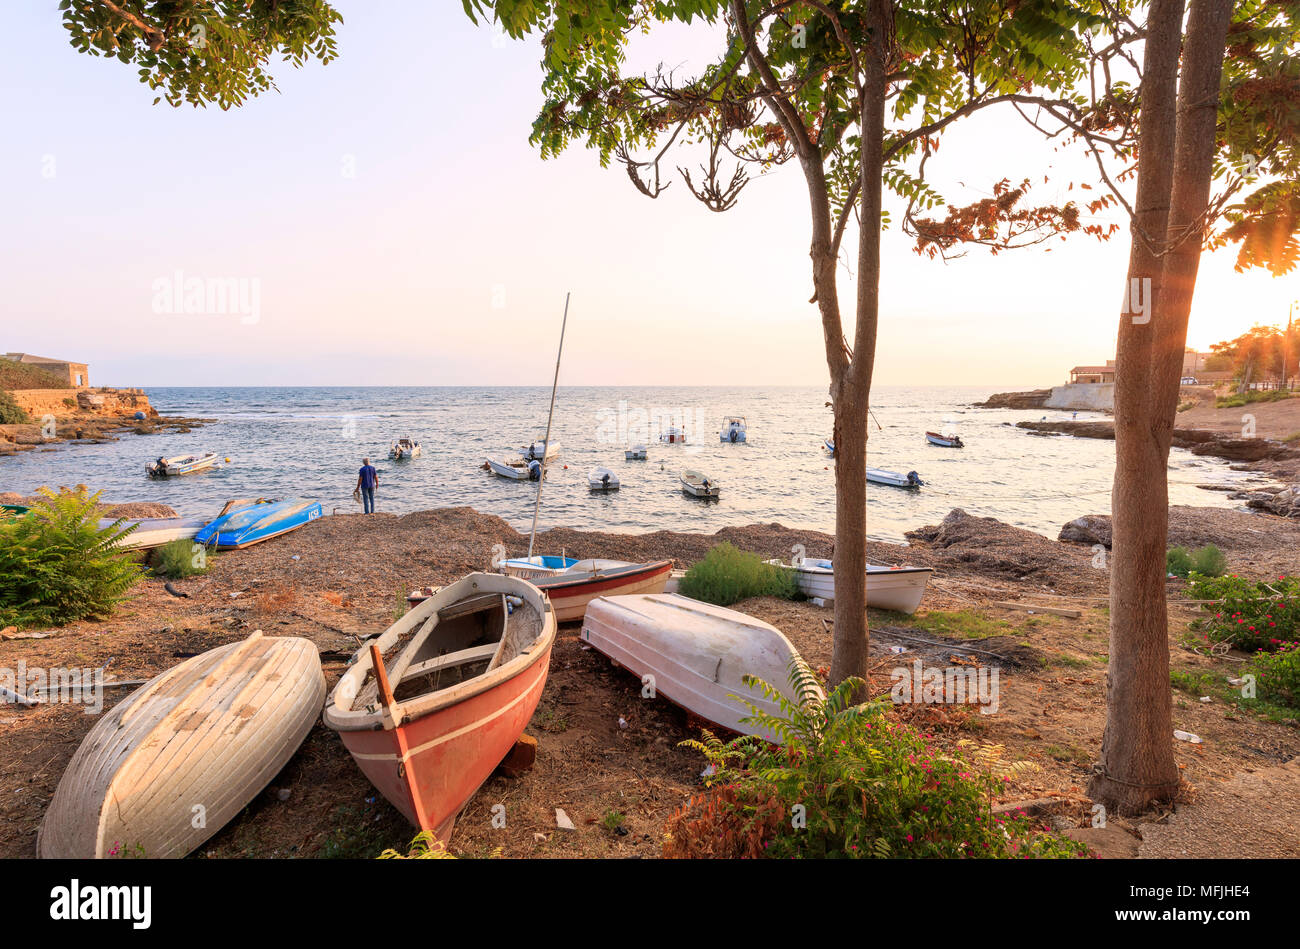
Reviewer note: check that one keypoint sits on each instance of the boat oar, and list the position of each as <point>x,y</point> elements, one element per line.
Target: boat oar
<point>390,707</point>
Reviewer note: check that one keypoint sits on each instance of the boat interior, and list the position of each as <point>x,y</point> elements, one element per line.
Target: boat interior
<point>461,641</point>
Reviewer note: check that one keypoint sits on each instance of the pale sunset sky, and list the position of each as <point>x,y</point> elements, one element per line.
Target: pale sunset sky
<point>399,229</point>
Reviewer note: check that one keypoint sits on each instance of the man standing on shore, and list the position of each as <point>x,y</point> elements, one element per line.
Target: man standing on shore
<point>367,481</point>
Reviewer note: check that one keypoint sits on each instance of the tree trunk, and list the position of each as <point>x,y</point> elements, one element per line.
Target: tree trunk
<point>852,401</point>
<point>1176,144</point>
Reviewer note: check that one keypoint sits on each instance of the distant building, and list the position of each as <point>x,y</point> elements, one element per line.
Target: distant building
<point>77,373</point>
<point>1093,375</point>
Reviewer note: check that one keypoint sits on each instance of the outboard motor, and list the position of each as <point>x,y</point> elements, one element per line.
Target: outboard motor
<point>734,434</point>
<point>604,479</point>
<point>914,479</point>
<point>534,471</point>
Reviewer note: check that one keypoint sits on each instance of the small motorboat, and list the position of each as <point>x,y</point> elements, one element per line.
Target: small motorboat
<point>635,453</point>
<point>733,429</point>
<point>180,465</point>
<point>695,654</point>
<point>828,445</point>
<point>888,588</point>
<point>944,441</point>
<point>244,526</point>
<point>602,479</point>
<point>429,723</point>
<point>404,449</point>
<point>533,568</point>
<point>517,470</point>
<point>573,589</point>
<point>696,484</point>
<point>539,450</point>
<point>672,435</point>
<point>212,731</point>
<point>893,478</point>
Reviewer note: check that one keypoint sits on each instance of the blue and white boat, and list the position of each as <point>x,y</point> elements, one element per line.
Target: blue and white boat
<point>828,445</point>
<point>733,429</point>
<point>537,567</point>
<point>256,522</point>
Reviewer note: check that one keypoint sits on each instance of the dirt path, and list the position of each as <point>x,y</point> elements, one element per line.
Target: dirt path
<point>1251,815</point>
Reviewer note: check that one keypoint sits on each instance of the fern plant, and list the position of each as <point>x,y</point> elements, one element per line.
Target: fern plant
<point>57,564</point>
<point>847,781</point>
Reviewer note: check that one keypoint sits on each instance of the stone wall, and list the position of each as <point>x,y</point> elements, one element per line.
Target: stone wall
<point>106,402</point>
<point>1083,396</point>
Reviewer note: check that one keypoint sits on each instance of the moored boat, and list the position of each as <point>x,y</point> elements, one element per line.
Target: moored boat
<point>733,429</point>
<point>635,453</point>
<point>210,732</point>
<point>602,479</point>
<point>888,588</point>
<point>573,589</point>
<point>517,470</point>
<point>828,445</point>
<point>893,479</point>
<point>429,723</point>
<point>404,449</point>
<point>696,653</point>
<point>539,450</point>
<point>537,566</point>
<point>672,435</point>
<point>244,526</point>
<point>944,441</point>
<point>698,485</point>
<point>180,465</point>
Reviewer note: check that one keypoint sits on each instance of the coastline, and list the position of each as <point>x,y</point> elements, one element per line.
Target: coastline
<point>351,574</point>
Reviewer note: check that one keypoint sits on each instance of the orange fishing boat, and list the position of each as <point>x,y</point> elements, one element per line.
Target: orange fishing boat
<point>428,724</point>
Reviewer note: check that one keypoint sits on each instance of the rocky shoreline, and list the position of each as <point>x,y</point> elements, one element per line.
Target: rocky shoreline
<point>84,417</point>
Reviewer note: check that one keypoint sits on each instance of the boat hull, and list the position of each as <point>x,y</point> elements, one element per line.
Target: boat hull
<point>899,589</point>
<point>571,595</point>
<point>210,732</point>
<point>943,441</point>
<point>244,527</point>
<point>453,750</point>
<point>696,654</point>
<point>156,531</point>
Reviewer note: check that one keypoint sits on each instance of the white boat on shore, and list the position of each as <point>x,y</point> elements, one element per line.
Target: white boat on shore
<point>893,479</point>
<point>899,589</point>
<point>180,465</point>
<point>635,453</point>
<point>155,531</point>
<point>697,653</point>
<point>696,484</point>
<point>602,479</point>
<point>733,430</point>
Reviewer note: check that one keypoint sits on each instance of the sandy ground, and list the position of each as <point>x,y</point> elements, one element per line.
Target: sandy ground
<point>1276,420</point>
<point>350,577</point>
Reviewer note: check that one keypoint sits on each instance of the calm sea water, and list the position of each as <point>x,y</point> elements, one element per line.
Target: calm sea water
<point>310,441</point>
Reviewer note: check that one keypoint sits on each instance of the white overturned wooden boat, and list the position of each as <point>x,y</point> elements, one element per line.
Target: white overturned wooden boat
<point>888,588</point>
<point>180,757</point>
<point>430,722</point>
<point>698,485</point>
<point>893,479</point>
<point>602,479</point>
<point>180,465</point>
<point>697,653</point>
<point>156,531</point>
<point>517,470</point>
<point>635,453</point>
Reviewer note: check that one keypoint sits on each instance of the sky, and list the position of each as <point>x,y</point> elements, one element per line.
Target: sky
<point>383,220</point>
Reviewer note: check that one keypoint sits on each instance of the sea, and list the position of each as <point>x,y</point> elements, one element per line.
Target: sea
<point>309,442</point>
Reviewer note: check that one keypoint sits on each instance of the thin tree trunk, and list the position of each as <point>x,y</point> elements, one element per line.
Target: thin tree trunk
<point>1137,766</point>
<point>851,641</point>
<point>1137,762</point>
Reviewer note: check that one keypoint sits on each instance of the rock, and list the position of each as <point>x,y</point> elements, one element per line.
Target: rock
<point>1033,399</point>
<point>562,821</point>
<point>1109,843</point>
<point>283,794</point>
<point>1090,529</point>
<point>1283,501</point>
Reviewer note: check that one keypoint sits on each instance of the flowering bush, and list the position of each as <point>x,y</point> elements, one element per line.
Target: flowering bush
<point>847,782</point>
<point>1250,614</point>
<point>1278,674</point>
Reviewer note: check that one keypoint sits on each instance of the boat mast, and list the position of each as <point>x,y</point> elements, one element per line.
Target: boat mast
<point>546,445</point>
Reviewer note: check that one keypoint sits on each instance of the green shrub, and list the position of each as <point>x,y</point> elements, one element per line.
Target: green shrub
<point>846,782</point>
<point>11,413</point>
<point>180,558</point>
<point>58,565</point>
<point>1250,396</point>
<point>727,575</point>
<point>1248,614</point>
<point>1208,561</point>
<point>1277,674</point>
